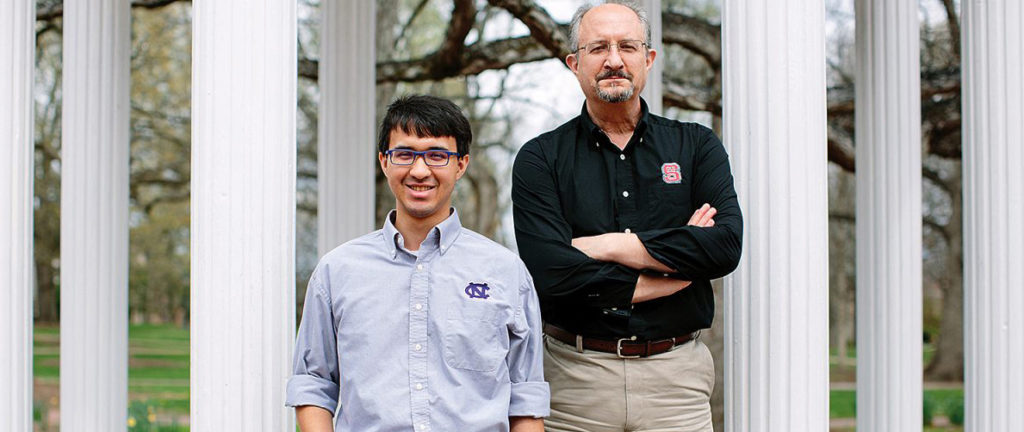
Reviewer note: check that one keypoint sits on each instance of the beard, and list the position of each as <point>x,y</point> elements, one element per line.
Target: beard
<point>617,94</point>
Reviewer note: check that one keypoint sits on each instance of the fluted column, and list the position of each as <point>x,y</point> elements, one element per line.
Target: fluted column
<point>94,216</point>
<point>889,257</point>
<point>993,116</point>
<point>346,146</point>
<point>652,91</point>
<point>776,306</point>
<point>243,213</point>
<point>17,51</point>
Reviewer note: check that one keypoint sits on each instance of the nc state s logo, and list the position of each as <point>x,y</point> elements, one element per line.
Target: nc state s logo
<point>670,173</point>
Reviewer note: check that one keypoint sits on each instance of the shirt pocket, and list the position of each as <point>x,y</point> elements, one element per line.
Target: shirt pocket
<point>474,340</point>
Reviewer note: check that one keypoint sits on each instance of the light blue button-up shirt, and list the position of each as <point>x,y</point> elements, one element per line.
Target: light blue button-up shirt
<point>446,338</point>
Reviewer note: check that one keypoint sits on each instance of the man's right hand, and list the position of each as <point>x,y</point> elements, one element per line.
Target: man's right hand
<point>703,216</point>
<point>650,287</point>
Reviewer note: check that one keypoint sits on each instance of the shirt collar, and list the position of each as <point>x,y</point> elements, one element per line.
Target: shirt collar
<point>595,132</point>
<point>448,230</point>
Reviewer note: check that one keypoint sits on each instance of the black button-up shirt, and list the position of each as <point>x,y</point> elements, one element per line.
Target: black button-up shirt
<point>574,182</point>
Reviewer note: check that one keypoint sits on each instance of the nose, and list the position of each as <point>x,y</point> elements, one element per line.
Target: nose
<point>419,167</point>
<point>614,59</point>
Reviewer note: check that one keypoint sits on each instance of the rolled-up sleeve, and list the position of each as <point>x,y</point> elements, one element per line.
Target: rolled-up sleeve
<point>314,379</point>
<point>531,395</point>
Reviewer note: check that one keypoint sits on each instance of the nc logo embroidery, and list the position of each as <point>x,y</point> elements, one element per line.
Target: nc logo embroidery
<point>670,173</point>
<point>475,290</point>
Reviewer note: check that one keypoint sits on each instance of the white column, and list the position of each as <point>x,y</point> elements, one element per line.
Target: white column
<point>347,142</point>
<point>94,216</point>
<point>652,90</point>
<point>17,52</point>
<point>993,116</point>
<point>243,213</point>
<point>776,302</point>
<point>889,258</point>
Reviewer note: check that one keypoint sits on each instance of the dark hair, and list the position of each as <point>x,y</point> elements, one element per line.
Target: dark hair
<point>425,116</point>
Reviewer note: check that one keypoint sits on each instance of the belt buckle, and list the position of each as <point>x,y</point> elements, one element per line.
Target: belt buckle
<point>618,349</point>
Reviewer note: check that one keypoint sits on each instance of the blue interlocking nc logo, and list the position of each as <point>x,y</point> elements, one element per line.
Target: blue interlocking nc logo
<point>477,290</point>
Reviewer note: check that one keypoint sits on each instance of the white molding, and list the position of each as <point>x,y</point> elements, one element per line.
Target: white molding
<point>889,260</point>
<point>346,143</point>
<point>243,214</point>
<point>776,302</point>
<point>993,133</point>
<point>94,216</point>
<point>17,54</point>
<point>653,89</point>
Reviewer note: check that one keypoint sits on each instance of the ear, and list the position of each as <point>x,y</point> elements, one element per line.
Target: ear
<point>383,159</point>
<point>651,54</point>
<point>463,165</point>
<point>573,62</point>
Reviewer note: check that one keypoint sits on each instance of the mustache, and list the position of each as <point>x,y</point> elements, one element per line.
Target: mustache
<point>615,74</point>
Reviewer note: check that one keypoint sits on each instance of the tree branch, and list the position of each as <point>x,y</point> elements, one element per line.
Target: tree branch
<point>454,43</point>
<point>543,28</point>
<point>415,13</point>
<point>690,97</point>
<point>953,21</point>
<point>840,149</point>
<point>56,10</point>
<point>694,34</point>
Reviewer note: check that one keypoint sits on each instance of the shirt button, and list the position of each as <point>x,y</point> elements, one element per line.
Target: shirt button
<point>419,386</point>
<point>625,194</point>
<point>628,231</point>
<point>419,267</point>
<point>417,347</point>
<point>597,144</point>
<point>418,306</point>
<point>622,156</point>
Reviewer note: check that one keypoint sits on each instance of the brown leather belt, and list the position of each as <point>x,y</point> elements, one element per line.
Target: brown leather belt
<point>624,347</point>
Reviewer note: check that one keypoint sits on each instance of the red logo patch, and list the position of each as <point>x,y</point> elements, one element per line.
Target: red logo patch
<point>670,173</point>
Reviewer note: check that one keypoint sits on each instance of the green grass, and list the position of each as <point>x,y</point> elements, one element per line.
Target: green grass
<point>843,404</point>
<point>158,372</point>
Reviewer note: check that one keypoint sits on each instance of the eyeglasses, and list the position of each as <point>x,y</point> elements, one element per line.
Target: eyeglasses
<point>601,48</point>
<point>433,158</point>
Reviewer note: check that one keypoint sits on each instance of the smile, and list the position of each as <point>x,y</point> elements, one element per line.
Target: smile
<point>419,188</point>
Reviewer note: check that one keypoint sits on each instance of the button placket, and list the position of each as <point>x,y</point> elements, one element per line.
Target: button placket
<point>419,321</point>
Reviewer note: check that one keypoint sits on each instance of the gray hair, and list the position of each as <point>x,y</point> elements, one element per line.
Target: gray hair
<point>574,26</point>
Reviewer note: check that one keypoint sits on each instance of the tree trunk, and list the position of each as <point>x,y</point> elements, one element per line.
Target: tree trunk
<point>47,301</point>
<point>713,338</point>
<point>948,362</point>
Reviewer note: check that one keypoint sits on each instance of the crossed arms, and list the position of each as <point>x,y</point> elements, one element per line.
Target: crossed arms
<point>627,249</point>
<point>617,269</point>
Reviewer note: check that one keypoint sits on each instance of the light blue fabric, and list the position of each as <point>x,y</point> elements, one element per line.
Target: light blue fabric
<point>446,338</point>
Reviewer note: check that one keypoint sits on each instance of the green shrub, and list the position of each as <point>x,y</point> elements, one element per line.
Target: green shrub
<point>929,405</point>
<point>955,411</point>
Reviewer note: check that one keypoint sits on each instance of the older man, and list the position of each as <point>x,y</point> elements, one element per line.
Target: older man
<point>623,218</point>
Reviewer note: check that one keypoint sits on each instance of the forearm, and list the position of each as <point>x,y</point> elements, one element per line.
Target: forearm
<point>525,424</point>
<point>652,287</point>
<point>621,248</point>
<point>312,418</point>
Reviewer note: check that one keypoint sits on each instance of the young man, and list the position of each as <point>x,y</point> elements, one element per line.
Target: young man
<point>601,206</point>
<point>422,325</point>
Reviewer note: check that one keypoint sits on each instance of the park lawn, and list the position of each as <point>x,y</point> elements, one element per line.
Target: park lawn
<point>158,370</point>
<point>843,404</point>
<point>158,374</point>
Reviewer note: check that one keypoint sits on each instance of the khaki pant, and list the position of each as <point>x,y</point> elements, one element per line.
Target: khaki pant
<point>599,392</point>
